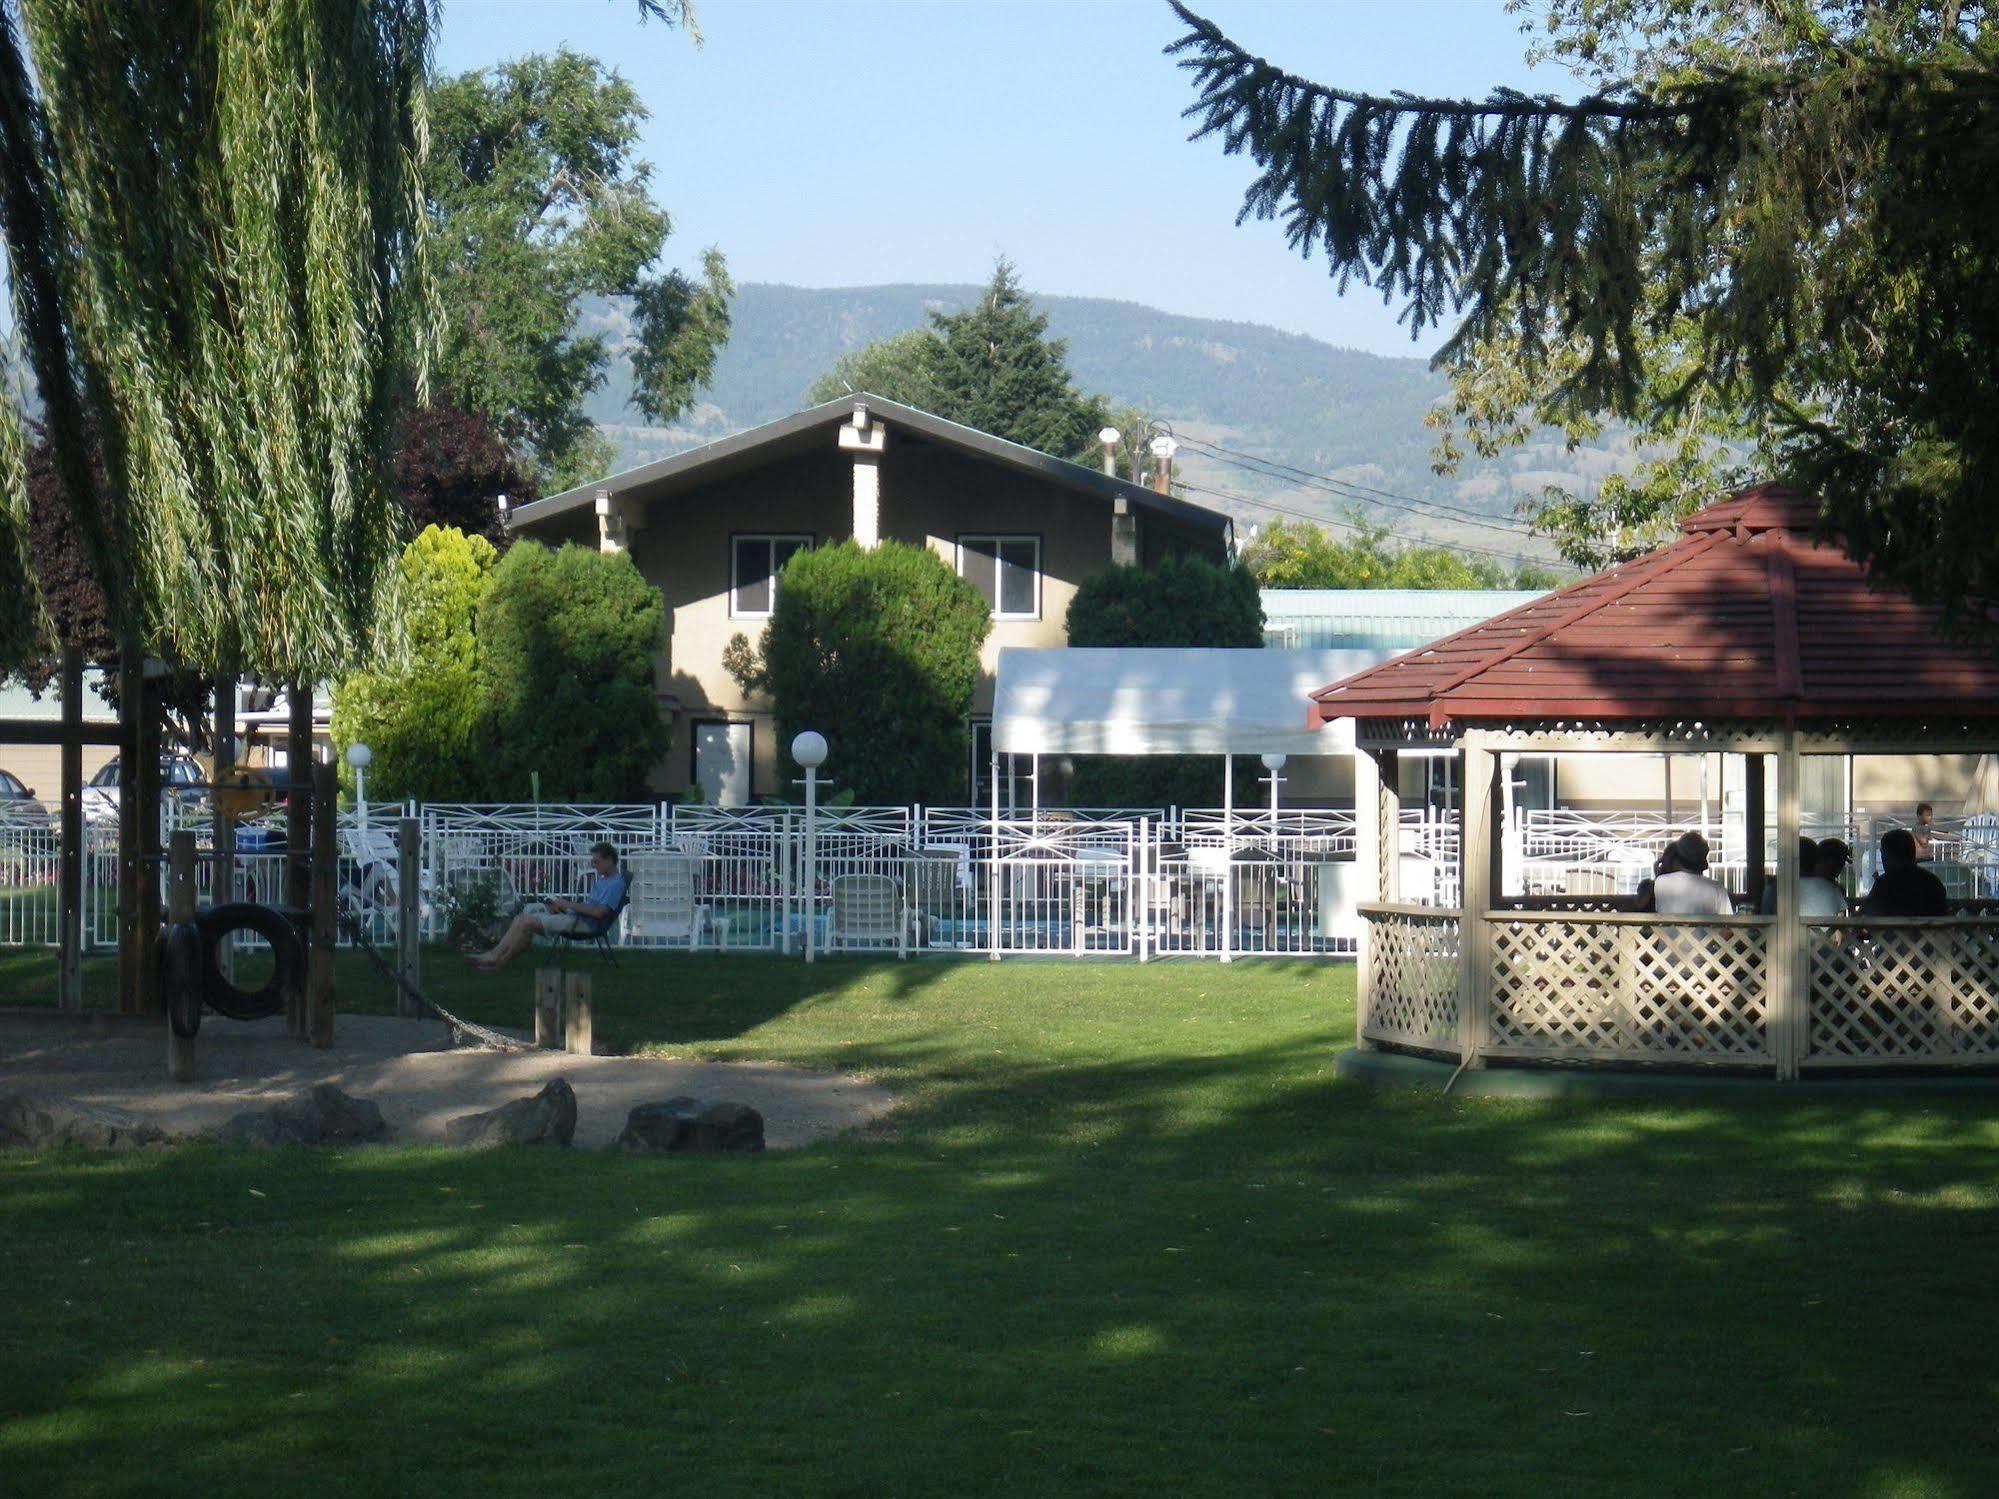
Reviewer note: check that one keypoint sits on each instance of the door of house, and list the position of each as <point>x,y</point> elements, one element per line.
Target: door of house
<point>722,763</point>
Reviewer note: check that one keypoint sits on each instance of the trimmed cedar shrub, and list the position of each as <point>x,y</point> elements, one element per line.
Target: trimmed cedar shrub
<point>879,651</point>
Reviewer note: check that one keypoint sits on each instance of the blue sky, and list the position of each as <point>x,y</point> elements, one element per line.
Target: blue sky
<point>852,142</point>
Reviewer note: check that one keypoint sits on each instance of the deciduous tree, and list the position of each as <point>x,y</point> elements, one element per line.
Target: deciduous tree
<point>539,201</point>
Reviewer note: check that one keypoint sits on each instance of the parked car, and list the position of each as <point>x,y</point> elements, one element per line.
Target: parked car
<point>19,807</point>
<point>184,783</point>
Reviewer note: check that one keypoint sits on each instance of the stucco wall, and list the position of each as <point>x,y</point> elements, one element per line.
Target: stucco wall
<point>930,495</point>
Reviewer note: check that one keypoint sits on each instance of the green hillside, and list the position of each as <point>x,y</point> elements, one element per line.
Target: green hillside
<point>1347,415</point>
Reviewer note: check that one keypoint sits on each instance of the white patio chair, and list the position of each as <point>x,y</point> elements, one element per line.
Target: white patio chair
<point>662,908</point>
<point>868,911</point>
<point>370,853</point>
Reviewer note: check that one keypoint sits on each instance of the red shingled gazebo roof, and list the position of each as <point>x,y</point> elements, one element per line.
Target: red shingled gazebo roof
<point>1747,615</point>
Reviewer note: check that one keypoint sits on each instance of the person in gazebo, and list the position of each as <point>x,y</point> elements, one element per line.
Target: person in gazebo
<point>1684,888</point>
<point>1905,888</point>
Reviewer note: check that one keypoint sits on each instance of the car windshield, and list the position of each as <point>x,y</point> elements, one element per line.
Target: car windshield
<point>108,776</point>
<point>10,785</point>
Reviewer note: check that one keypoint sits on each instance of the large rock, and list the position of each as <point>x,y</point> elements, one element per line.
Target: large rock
<point>323,1116</point>
<point>32,1119</point>
<point>548,1118</point>
<point>688,1124</point>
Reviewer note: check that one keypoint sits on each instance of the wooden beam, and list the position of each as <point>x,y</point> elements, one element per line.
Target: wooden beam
<point>1475,888</point>
<point>409,900</point>
<point>325,811</point>
<point>223,887</point>
<point>180,908</point>
<point>1755,826</point>
<point>58,731</point>
<point>69,869</point>
<point>298,811</point>
<point>146,778</point>
<point>1788,982</point>
<point>131,745</point>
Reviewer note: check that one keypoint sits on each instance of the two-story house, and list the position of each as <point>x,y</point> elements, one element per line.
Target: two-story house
<point>712,528</point>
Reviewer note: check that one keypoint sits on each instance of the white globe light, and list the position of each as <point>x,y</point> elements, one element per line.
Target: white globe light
<point>360,756</point>
<point>1273,763</point>
<point>1109,437</point>
<point>1163,447</point>
<point>809,749</point>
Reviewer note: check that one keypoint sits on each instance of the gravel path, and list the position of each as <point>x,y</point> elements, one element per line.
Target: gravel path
<point>406,1069</point>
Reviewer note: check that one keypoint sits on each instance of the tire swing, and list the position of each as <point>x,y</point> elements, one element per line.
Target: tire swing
<point>230,999</point>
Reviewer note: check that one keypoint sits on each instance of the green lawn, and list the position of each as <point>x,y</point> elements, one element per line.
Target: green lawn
<point>1128,1235</point>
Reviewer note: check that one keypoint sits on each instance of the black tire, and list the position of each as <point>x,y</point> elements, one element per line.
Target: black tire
<point>287,954</point>
<point>181,953</point>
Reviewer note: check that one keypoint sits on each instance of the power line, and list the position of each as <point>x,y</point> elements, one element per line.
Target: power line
<point>1348,490</point>
<point>1319,520</point>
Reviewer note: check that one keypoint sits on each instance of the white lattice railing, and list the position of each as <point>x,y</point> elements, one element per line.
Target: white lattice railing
<point>1628,987</point>
<point>1920,990</point>
<point>1411,982</point>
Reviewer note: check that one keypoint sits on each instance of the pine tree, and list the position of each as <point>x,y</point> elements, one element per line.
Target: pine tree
<point>999,371</point>
<point>991,366</point>
<point>1822,221</point>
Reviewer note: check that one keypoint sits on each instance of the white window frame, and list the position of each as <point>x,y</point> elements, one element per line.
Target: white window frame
<point>999,539</point>
<point>770,539</point>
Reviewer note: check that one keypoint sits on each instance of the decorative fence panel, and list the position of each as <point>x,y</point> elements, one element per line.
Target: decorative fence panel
<point>1615,987</point>
<point>1914,990</point>
<point>1411,982</point>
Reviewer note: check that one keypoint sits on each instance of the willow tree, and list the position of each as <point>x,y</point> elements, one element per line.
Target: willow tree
<point>1812,236</point>
<point>212,215</point>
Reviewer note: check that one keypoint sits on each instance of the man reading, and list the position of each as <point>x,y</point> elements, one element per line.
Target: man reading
<point>585,916</point>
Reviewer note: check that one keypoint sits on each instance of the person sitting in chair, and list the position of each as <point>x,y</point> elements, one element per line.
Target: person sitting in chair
<point>1905,888</point>
<point>584,916</point>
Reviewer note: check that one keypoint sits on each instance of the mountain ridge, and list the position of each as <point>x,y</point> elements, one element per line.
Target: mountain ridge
<point>1344,416</point>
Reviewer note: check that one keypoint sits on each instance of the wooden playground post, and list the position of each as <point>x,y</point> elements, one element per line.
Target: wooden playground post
<point>547,1008</point>
<point>69,869</point>
<point>409,907</point>
<point>319,979</point>
<point>576,1017</point>
<point>223,888</point>
<point>131,744</point>
<point>180,908</point>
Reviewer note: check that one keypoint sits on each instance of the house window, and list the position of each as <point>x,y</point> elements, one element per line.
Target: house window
<point>1006,570</point>
<point>754,563</point>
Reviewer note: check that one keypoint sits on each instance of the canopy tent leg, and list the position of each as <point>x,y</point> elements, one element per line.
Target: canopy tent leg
<point>993,856</point>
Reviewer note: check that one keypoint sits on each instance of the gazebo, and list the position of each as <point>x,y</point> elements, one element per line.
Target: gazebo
<point>1747,636</point>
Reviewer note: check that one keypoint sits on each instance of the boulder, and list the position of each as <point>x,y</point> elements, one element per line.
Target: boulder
<point>547,1118</point>
<point>323,1116</point>
<point>34,1119</point>
<point>688,1124</point>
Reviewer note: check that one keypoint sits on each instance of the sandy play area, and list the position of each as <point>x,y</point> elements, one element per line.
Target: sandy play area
<point>406,1068</point>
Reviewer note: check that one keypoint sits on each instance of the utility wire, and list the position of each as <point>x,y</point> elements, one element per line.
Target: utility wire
<point>1320,520</point>
<point>1347,489</point>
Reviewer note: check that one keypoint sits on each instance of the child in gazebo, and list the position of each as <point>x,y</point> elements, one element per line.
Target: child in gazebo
<point>1683,887</point>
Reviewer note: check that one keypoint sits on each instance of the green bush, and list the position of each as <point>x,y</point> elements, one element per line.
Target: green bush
<point>418,709</point>
<point>1184,601</point>
<point>567,642</point>
<point>879,651</point>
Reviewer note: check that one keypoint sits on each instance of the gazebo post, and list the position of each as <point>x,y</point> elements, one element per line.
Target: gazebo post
<point>1475,852</point>
<point>1377,803</point>
<point>1789,982</point>
<point>1755,828</point>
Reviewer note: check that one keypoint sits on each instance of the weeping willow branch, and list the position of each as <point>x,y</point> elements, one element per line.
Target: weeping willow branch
<point>213,217</point>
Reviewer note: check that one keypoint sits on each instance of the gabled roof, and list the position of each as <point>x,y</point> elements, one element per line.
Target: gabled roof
<point>1747,615</point>
<point>803,431</point>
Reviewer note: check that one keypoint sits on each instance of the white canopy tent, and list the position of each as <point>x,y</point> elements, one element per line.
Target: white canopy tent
<point>1167,701</point>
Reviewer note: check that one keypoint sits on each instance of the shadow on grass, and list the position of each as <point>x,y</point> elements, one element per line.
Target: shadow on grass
<point>1111,1245</point>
